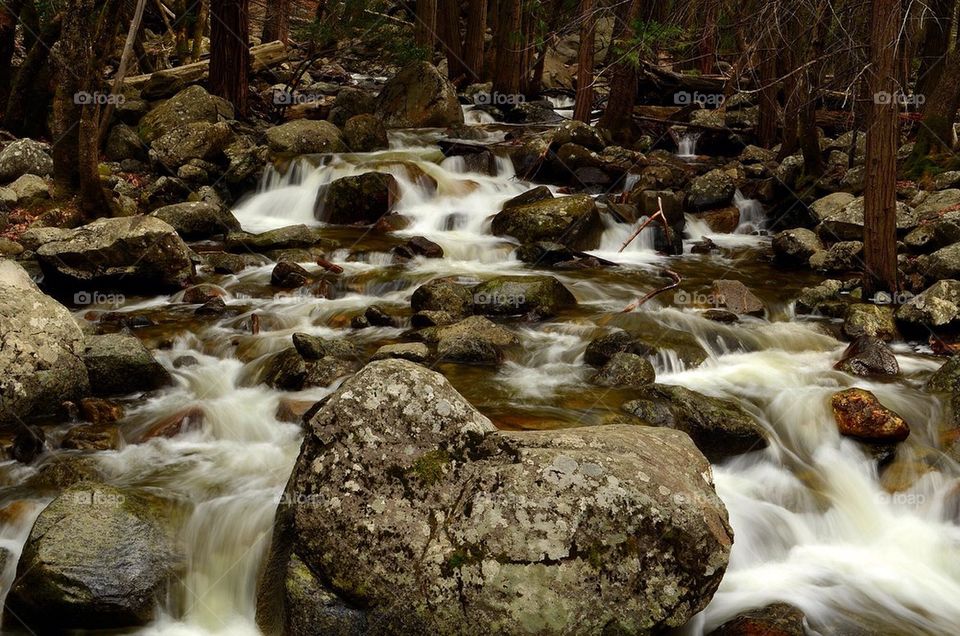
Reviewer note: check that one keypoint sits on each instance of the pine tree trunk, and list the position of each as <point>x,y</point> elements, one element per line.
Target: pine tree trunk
<point>276,23</point>
<point>230,52</point>
<point>617,119</point>
<point>588,37</point>
<point>508,71</point>
<point>29,87</point>
<point>425,30</point>
<point>880,203</point>
<point>449,25</point>
<point>9,15</point>
<point>474,44</point>
<point>199,29</point>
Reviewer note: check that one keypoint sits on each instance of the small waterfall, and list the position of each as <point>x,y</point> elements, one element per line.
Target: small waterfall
<point>752,215</point>
<point>686,144</point>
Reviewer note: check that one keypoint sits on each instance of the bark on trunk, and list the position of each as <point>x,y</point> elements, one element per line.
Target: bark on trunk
<point>9,15</point>
<point>508,72</point>
<point>588,36</point>
<point>880,203</point>
<point>617,118</point>
<point>230,51</point>
<point>29,87</point>
<point>449,25</point>
<point>474,44</point>
<point>276,23</point>
<point>425,31</point>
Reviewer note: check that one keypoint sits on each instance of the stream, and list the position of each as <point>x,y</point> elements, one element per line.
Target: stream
<point>816,525</point>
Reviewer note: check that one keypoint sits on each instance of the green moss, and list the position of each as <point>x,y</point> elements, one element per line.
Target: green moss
<point>429,468</point>
<point>463,556</point>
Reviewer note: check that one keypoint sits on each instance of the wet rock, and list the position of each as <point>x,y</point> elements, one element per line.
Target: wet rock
<point>944,263</point>
<point>714,189</point>
<point>429,460</point>
<point>365,133</point>
<point>778,619</point>
<point>573,221</point>
<point>419,96</point>
<point>118,364</point>
<point>99,411</point>
<point>200,140</point>
<point>860,414</point>
<point>736,297</point>
<point>795,247</point>
<point>29,443</point>
<point>469,349</point>
<point>305,137</point>
<point>199,220</point>
<point>314,348</point>
<point>474,326</point>
<point>92,437</point>
<point>428,318</point>
<point>625,370</point>
<point>226,263</point>
<point>184,421</point>
<point>138,252</point>
<point>213,307</point>
<point>722,221</point>
<point>579,133</point>
<point>412,351</point>
<point>812,298</point>
<point>362,199</point>
<point>841,257</point>
<point>868,356</point>
<point>445,295</point>
<point>41,349</point>
<point>721,316</point>
<point>946,379</point>
<point>349,103</point>
<point>124,143</point>
<point>289,371</point>
<point>535,195</point>
<point>97,558</point>
<point>601,350</point>
<point>937,306</point>
<point>289,237</point>
<point>418,246</point>
<point>535,296</point>
<point>545,253</point>
<point>377,316</point>
<point>720,428</point>
<point>870,320</point>
<point>846,223</point>
<point>202,293</point>
<point>289,275</point>
<point>191,105</point>
<point>24,156</point>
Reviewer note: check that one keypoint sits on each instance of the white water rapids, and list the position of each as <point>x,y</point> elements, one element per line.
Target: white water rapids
<point>815,524</point>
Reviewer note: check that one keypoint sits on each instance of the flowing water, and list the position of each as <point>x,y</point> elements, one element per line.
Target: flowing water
<point>816,525</point>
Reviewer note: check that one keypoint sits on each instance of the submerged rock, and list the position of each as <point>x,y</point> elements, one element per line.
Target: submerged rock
<point>97,558</point>
<point>720,428</point>
<point>860,414</point>
<point>41,349</point>
<point>424,517</point>
<point>736,297</point>
<point>572,221</point>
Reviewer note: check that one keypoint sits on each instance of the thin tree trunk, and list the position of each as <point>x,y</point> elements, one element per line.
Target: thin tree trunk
<point>508,71</point>
<point>425,31</point>
<point>276,23</point>
<point>9,15</point>
<point>230,51</point>
<point>26,89</point>
<point>617,119</point>
<point>583,107</point>
<point>104,124</point>
<point>474,43</point>
<point>449,25</point>
<point>880,203</point>
<point>708,39</point>
<point>199,29</point>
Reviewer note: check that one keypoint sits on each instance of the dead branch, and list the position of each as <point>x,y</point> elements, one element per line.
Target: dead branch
<point>677,279</point>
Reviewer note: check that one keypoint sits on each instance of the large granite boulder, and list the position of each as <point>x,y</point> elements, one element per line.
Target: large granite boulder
<point>419,96</point>
<point>304,137</point>
<point>24,156</point>
<point>191,105</point>
<point>414,512</point>
<point>572,221</point>
<point>198,220</point>
<point>120,364</point>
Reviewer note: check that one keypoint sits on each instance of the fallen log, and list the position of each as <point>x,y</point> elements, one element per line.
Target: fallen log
<point>261,57</point>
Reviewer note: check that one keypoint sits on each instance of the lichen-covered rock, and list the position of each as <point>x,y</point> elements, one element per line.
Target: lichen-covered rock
<point>625,370</point>
<point>812,298</point>
<point>284,238</point>
<point>944,263</point>
<point>846,223</point>
<point>841,257</point>
<point>428,520</point>
<point>419,96</point>
<point>290,371</point>
<point>863,319</point>
<point>831,205</point>
<point>119,364</point>
<point>579,133</point>
<point>443,294</point>
<point>720,428</point>
<point>365,133</point>
<point>469,349</point>
<point>139,252</point>
<point>711,190</point>
<point>935,234</point>
<point>41,349</point>
<point>97,558</point>
<point>198,220</point>
<point>361,199</point>
<point>412,351</point>
<point>24,156</point>
<point>191,105</point>
<point>868,356</point>
<point>314,348</point>
<point>936,306</point>
<point>737,297</point>
<point>795,247</point>
<point>199,140</point>
<point>860,414</point>
<point>473,326</point>
<point>572,221</point>
<point>304,137</point>
<point>946,379</point>
<point>536,296</point>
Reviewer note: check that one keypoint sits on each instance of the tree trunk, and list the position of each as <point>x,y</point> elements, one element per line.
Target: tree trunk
<point>276,23</point>
<point>230,52</point>
<point>508,71</point>
<point>199,29</point>
<point>425,31</point>
<point>449,25</point>
<point>708,39</point>
<point>880,203</point>
<point>474,44</point>
<point>9,15</point>
<point>27,89</point>
<point>936,44</point>
<point>617,119</point>
<point>588,37</point>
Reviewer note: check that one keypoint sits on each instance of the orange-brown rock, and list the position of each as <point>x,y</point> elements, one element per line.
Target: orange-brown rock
<point>859,414</point>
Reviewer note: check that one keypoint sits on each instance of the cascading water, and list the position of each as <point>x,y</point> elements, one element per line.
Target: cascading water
<point>687,144</point>
<point>752,215</point>
<point>815,524</point>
